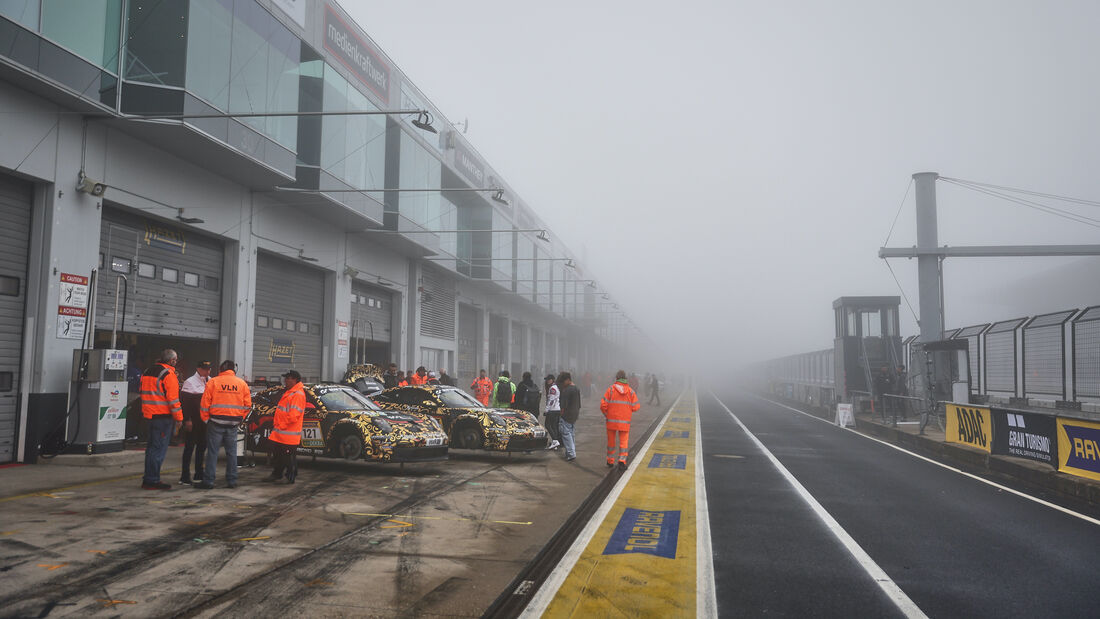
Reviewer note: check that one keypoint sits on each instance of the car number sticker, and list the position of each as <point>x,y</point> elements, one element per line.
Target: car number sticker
<point>434,441</point>
<point>540,433</point>
<point>311,435</point>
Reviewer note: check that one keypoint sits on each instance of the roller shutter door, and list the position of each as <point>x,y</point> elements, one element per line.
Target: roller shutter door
<point>290,309</point>
<point>173,278</point>
<point>437,304</point>
<point>15,223</point>
<point>467,360</point>
<point>371,323</point>
<point>373,308</point>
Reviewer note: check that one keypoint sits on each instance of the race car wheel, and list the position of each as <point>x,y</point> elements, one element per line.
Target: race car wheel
<point>470,437</point>
<point>351,446</point>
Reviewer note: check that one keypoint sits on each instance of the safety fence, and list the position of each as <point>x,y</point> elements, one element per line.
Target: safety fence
<point>1051,357</point>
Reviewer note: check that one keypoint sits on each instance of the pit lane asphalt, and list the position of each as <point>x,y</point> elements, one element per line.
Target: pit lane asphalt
<point>349,539</point>
<point>955,546</point>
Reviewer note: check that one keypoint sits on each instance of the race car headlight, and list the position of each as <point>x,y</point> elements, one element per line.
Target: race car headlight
<point>383,425</point>
<point>496,419</point>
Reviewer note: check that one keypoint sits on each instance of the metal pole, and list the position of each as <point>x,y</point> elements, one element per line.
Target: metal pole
<point>114,320</point>
<point>928,268</point>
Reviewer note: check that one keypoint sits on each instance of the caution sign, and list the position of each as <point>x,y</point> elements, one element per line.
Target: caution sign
<point>970,425</point>
<point>1079,447</point>
<point>647,532</point>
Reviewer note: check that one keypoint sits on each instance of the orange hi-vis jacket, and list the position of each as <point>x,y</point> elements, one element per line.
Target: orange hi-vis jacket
<point>288,416</point>
<point>618,405</point>
<point>160,393</point>
<point>482,387</point>
<point>417,380</point>
<point>226,400</point>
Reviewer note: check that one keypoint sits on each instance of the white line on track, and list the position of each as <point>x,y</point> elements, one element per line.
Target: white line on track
<point>903,450</point>
<point>542,598</point>
<point>706,599</point>
<point>884,582</point>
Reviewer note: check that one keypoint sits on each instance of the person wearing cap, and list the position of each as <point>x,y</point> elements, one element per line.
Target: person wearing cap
<point>553,412</point>
<point>225,402</point>
<point>194,428</point>
<point>286,434</point>
<point>433,378</point>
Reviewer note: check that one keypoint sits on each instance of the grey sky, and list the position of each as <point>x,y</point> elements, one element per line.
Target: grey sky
<point>731,167</point>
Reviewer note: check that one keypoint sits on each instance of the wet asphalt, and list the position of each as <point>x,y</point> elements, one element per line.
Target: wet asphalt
<point>955,546</point>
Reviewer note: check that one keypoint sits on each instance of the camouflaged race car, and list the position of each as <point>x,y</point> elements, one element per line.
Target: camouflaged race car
<point>340,422</point>
<point>469,424</point>
<point>366,378</point>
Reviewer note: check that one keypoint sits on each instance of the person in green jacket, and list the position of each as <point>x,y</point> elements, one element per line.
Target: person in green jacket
<point>504,392</point>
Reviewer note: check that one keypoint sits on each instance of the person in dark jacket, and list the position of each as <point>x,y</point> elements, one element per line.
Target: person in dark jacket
<point>446,379</point>
<point>528,395</point>
<point>390,378</point>
<point>570,412</point>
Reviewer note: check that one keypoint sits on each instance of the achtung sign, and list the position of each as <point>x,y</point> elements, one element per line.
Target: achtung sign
<point>970,425</point>
<point>1079,447</point>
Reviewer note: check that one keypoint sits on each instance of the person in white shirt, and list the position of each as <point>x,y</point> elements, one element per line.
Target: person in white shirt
<point>194,429</point>
<point>553,412</point>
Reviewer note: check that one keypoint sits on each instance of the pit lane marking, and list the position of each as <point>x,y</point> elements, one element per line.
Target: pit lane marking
<point>434,518</point>
<point>902,601</point>
<point>941,464</point>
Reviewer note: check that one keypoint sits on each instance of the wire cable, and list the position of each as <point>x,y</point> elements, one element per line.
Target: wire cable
<point>902,290</point>
<point>1050,210</point>
<point>1025,191</point>
<point>898,214</point>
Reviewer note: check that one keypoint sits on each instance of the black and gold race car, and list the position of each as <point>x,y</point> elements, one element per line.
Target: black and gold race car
<point>469,424</point>
<point>340,422</point>
<point>366,378</point>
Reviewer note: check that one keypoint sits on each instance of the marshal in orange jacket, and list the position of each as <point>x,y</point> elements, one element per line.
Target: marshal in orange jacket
<point>160,392</point>
<point>618,405</point>
<point>226,399</point>
<point>288,416</point>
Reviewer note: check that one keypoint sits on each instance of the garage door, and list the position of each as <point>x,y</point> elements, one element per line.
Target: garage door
<point>290,309</point>
<point>15,223</point>
<point>468,319</point>
<point>371,323</point>
<point>173,276</point>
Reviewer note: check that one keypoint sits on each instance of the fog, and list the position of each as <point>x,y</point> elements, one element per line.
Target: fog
<point>727,169</point>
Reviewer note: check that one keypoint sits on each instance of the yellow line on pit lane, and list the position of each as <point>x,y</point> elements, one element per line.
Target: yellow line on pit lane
<point>436,518</point>
<point>629,575</point>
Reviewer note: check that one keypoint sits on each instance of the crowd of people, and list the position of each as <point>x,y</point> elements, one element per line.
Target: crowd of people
<point>205,412</point>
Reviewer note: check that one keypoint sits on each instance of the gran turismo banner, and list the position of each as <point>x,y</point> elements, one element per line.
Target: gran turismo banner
<point>1079,447</point>
<point>969,425</point>
<point>1025,435</point>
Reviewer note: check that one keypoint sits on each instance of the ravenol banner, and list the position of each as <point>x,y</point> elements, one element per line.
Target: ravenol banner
<point>969,425</point>
<point>1079,447</point>
<point>1025,435</point>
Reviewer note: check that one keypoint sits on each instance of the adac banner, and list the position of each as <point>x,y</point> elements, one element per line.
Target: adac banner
<point>1025,435</point>
<point>1079,447</point>
<point>969,425</point>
